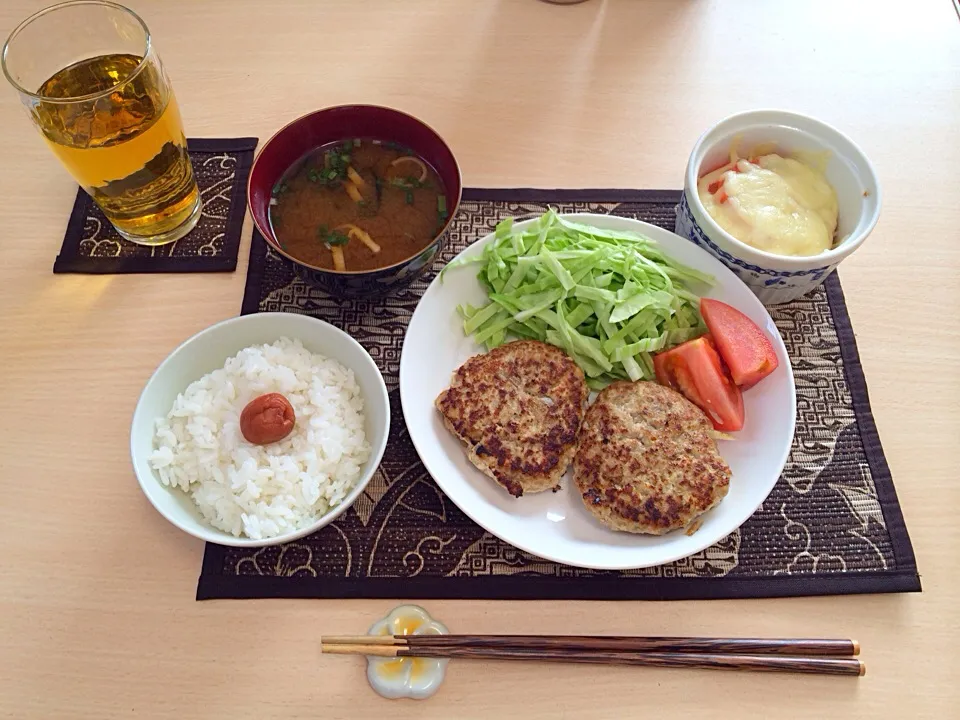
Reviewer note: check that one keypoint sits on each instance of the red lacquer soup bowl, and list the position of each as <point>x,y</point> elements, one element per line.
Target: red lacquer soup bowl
<point>336,124</point>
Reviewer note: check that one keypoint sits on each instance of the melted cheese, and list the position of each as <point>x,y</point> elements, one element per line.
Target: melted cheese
<point>775,204</point>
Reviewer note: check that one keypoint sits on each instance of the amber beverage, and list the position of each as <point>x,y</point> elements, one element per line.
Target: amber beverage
<point>95,88</point>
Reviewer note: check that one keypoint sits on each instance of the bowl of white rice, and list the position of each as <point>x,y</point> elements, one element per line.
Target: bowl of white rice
<point>198,469</point>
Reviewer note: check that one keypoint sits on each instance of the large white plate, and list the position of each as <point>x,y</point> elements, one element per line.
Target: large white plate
<point>557,526</point>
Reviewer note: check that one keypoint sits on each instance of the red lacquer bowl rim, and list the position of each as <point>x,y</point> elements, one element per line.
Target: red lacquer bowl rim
<point>452,208</point>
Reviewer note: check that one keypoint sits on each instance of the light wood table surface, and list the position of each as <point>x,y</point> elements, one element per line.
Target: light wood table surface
<point>97,616</point>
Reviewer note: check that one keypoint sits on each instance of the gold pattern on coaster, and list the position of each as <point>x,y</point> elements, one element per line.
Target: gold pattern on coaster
<point>92,245</point>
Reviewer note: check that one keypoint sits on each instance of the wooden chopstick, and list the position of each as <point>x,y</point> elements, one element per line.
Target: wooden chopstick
<point>706,661</point>
<point>610,643</point>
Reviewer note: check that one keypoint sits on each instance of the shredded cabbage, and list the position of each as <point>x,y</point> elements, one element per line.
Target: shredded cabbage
<point>608,298</point>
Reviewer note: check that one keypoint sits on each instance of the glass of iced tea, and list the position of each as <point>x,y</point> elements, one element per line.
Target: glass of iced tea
<point>94,86</point>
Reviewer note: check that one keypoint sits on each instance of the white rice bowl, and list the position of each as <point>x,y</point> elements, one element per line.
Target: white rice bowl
<point>256,491</point>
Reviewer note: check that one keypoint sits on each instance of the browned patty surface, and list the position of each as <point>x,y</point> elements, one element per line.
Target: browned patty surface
<point>645,461</point>
<point>518,409</point>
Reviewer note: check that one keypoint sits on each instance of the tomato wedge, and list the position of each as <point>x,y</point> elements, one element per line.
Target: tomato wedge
<point>744,347</point>
<point>696,370</point>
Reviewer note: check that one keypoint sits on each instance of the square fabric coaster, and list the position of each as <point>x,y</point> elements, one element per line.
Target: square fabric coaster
<point>831,525</point>
<point>93,246</point>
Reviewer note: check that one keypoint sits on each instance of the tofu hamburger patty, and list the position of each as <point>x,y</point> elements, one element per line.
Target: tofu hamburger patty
<point>518,409</point>
<point>646,461</point>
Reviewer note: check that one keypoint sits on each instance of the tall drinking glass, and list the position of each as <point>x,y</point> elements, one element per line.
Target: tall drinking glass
<point>94,86</point>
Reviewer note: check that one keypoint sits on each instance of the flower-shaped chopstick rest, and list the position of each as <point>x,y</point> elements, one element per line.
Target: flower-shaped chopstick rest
<point>416,678</point>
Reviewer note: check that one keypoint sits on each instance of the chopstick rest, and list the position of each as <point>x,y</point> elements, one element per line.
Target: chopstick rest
<point>397,677</point>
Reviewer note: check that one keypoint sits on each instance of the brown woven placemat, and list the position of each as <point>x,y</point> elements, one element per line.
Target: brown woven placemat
<point>831,525</point>
<point>91,245</point>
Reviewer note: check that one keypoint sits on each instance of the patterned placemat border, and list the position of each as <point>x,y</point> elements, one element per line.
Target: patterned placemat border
<point>164,259</point>
<point>214,582</point>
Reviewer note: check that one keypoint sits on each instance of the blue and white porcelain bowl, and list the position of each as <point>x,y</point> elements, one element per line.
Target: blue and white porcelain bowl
<point>781,278</point>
